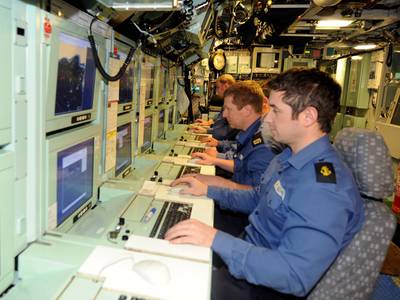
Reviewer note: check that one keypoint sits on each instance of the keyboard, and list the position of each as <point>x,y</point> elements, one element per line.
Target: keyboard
<point>187,170</point>
<point>174,213</point>
<point>197,150</point>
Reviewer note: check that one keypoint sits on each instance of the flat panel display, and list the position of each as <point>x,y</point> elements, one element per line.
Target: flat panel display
<point>126,83</point>
<point>74,178</point>
<point>161,120</point>
<point>163,82</point>
<point>147,131</point>
<point>75,76</point>
<point>171,117</point>
<point>136,134</point>
<point>148,74</point>
<point>172,81</point>
<point>124,148</point>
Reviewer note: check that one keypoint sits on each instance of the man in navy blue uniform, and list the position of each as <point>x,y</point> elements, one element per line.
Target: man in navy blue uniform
<point>305,211</point>
<point>243,103</point>
<point>220,128</point>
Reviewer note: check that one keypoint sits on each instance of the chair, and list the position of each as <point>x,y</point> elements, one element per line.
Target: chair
<point>355,270</point>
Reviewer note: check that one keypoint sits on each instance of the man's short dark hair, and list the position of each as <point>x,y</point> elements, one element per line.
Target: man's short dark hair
<point>246,93</point>
<point>309,87</point>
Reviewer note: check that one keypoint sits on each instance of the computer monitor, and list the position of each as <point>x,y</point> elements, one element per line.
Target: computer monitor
<point>161,123</point>
<point>172,82</point>
<point>171,117</point>
<point>163,82</point>
<point>72,85</point>
<point>147,133</point>
<point>126,86</point>
<point>177,116</point>
<point>124,146</point>
<point>72,159</point>
<point>148,76</point>
<point>136,146</point>
<point>267,60</point>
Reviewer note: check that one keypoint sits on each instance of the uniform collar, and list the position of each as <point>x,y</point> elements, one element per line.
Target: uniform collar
<point>244,136</point>
<point>315,149</point>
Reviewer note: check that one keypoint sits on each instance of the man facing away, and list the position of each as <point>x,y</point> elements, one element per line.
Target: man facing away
<point>305,211</point>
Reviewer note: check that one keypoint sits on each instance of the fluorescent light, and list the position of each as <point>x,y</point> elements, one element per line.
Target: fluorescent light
<point>365,47</point>
<point>356,57</point>
<point>333,24</point>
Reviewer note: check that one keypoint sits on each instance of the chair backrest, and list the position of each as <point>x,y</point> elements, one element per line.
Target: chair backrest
<point>355,270</point>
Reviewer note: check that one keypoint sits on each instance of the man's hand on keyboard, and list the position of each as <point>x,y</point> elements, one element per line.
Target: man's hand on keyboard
<point>191,231</point>
<point>205,158</point>
<point>198,129</point>
<point>212,151</point>
<point>210,141</point>
<point>194,187</point>
<point>203,122</point>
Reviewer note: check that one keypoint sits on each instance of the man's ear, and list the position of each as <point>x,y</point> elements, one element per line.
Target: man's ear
<point>309,116</point>
<point>248,109</point>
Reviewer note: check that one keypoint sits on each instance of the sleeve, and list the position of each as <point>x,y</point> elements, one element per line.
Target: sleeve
<point>258,162</point>
<point>312,238</point>
<point>225,145</point>
<point>244,201</point>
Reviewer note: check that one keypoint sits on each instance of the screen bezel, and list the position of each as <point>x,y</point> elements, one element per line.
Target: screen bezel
<point>144,148</point>
<point>51,48</point>
<point>160,135</point>
<point>128,106</point>
<point>60,142</point>
<point>123,120</point>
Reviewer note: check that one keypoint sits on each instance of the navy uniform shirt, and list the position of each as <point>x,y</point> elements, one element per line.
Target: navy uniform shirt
<point>305,211</point>
<point>252,156</point>
<point>221,130</point>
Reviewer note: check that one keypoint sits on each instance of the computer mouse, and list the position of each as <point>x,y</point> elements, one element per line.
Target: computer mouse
<point>195,160</point>
<point>176,190</point>
<point>153,271</point>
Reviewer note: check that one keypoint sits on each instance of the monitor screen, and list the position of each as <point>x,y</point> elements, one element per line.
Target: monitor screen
<point>136,134</point>
<point>124,148</point>
<point>172,78</point>
<point>163,81</point>
<point>148,127</point>
<point>148,76</point>
<point>161,119</point>
<point>170,117</point>
<point>74,178</point>
<point>75,76</point>
<point>126,83</point>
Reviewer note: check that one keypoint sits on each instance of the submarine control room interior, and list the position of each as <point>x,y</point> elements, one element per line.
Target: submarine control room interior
<point>129,128</point>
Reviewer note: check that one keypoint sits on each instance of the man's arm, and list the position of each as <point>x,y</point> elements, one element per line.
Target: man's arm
<point>220,182</point>
<point>237,200</point>
<point>206,159</point>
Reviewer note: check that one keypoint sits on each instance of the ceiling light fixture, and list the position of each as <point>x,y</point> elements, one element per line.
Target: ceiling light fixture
<point>333,24</point>
<point>356,57</point>
<point>365,47</point>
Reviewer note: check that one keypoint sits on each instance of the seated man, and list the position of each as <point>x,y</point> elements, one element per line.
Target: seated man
<point>305,211</point>
<point>220,128</point>
<point>243,102</point>
<point>225,148</point>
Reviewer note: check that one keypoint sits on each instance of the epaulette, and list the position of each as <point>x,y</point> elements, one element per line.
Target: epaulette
<point>325,172</point>
<point>257,139</point>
